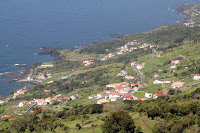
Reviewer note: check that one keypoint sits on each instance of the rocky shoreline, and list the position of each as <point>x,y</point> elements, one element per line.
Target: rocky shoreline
<point>21,77</point>
<point>54,52</point>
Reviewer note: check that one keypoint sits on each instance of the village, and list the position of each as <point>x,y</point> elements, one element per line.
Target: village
<point>113,92</point>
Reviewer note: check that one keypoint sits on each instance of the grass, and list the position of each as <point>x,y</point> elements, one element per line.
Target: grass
<point>144,122</point>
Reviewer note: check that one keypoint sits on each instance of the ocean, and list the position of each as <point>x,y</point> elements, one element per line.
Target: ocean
<point>27,25</point>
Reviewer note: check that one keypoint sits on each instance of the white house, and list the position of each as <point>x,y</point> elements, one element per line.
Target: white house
<point>125,90</point>
<point>136,89</point>
<point>167,81</point>
<point>173,67</point>
<point>148,95</point>
<point>111,86</point>
<point>41,102</point>
<point>140,66</point>
<point>133,63</point>
<point>157,81</point>
<point>92,96</point>
<point>23,103</point>
<point>116,94</point>
<point>102,95</point>
<point>197,77</point>
<point>49,100</point>
<point>76,96</point>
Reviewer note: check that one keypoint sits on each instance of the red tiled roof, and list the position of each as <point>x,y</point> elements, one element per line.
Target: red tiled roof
<point>128,96</point>
<point>101,93</point>
<point>178,84</point>
<point>116,93</point>
<point>140,98</point>
<point>197,74</point>
<point>159,95</point>
<point>118,87</point>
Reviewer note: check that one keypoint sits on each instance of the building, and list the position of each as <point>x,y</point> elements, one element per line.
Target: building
<point>116,94</point>
<point>65,99</point>
<point>156,95</point>
<point>1,101</point>
<point>129,77</point>
<point>128,97</point>
<point>133,63</point>
<point>49,100</point>
<point>176,85</point>
<point>118,88</point>
<point>41,102</point>
<point>23,103</point>
<point>102,95</point>
<point>197,77</point>
<point>101,101</point>
<point>140,66</point>
<point>139,98</point>
<point>175,62</point>
<point>148,95</point>
<point>93,96</point>
<point>76,96</point>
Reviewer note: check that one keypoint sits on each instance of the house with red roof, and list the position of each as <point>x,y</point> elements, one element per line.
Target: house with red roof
<point>1,101</point>
<point>129,77</point>
<point>197,77</point>
<point>49,100</point>
<point>175,62</point>
<point>176,85</point>
<point>76,96</point>
<point>139,98</point>
<point>8,99</point>
<point>108,91</point>
<point>47,90</point>
<point>140,66</point>
<point>136,85</point>
<point>114,96</point>
<point>41,102</point>
<point>125,90</point>
<point>119,52</point>
<point>118,88</point>
<point>66,99</point>
<point>156,95</point>
<point>128,97</point>
<point>23,103</point>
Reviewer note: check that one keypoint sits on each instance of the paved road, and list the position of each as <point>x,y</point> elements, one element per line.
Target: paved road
<point>32,106</point>
<point>191,84</point>
<point>139,73</point>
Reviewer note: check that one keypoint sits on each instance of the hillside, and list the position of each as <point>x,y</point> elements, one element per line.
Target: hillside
<point>150,75</point>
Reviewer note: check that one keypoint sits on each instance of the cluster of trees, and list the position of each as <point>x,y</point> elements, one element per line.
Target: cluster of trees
<point>32,123</point>
<point>118,122</point>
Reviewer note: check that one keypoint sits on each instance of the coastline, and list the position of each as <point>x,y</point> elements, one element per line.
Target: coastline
<point>22,78</point>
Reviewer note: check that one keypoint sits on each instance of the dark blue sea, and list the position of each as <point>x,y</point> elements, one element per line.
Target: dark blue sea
<point>27,25</point>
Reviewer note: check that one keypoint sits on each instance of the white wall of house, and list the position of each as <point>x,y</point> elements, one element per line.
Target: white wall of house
<point>196,78</point>
<point>148,95</point>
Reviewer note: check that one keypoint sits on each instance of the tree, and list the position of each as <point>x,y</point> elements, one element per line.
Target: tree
<point>78,126</point>
<point>119,121</point>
